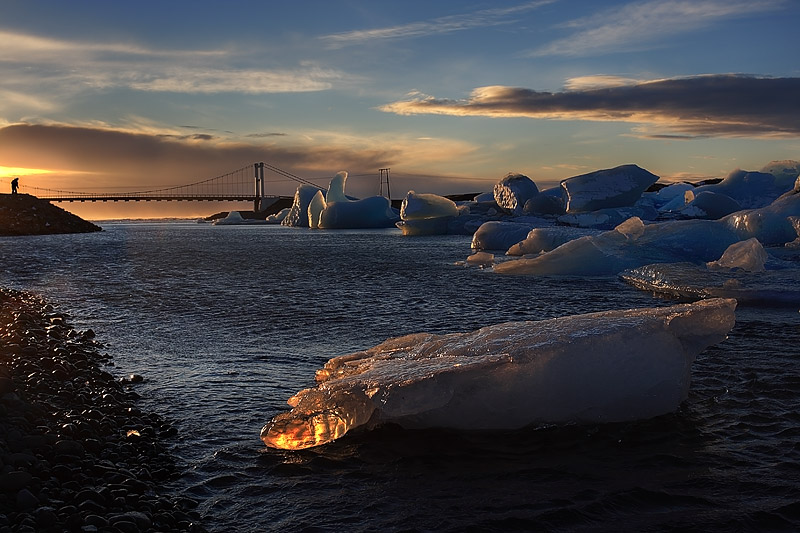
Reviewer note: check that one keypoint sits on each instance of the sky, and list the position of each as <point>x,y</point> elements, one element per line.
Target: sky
<point>102,96</point>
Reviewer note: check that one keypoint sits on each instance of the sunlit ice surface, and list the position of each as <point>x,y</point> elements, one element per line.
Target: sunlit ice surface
<point>610,366</point>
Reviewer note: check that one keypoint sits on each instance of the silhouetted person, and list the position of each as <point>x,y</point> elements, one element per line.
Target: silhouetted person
<point>14,185</point>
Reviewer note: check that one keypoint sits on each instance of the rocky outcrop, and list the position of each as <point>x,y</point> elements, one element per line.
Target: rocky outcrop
<point>23,214</point>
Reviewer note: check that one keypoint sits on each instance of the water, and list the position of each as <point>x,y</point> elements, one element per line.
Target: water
<point>225,323</point>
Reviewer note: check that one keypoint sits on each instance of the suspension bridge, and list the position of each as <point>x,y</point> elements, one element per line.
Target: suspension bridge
<point>246,184</point>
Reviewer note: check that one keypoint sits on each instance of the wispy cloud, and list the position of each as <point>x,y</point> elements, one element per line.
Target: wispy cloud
<point>73,66</point>
<point>437,26</point>
<point>639,25</point>
<point>712,105</point>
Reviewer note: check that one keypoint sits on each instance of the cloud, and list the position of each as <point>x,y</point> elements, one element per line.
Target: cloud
<point>713,105</point>
<point>112,158</point>
<point>639,25</point>
<point>72,66</point>
<point>437,26</point>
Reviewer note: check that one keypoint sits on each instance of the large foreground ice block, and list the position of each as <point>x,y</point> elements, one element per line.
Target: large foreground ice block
<point>599,367</point>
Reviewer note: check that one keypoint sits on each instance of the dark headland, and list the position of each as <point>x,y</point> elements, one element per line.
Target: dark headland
<point>23,214</point>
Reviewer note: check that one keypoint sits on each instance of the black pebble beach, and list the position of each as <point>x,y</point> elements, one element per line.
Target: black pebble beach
<point>76,454</point>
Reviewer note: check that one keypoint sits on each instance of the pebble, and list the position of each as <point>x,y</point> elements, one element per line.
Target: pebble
<point>68,459</point>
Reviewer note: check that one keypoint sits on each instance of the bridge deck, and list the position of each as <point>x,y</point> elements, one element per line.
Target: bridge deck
<point>194,198</point>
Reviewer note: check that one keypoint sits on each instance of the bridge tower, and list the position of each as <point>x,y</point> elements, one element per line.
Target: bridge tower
<point>385,178</point>
<point>259,193</point>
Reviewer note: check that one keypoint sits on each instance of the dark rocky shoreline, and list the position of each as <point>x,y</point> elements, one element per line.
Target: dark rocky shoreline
<point>23,214</point>
<point>76,454</point>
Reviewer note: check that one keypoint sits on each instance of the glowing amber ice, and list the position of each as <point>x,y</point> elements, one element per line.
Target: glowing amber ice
<point>317,417</point>
<point>287,431</point>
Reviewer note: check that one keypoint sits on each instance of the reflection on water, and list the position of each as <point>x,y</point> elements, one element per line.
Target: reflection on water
<point>227,323</point>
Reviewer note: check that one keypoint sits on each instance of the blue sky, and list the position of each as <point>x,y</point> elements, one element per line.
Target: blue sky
<point>450,95</point>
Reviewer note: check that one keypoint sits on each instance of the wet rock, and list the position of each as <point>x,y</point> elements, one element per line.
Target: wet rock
<point>26,500</point>
<point>68,447</point>
<point>14,481</point>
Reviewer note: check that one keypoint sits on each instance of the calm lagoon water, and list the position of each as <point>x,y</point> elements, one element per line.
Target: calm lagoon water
<point>226,322</point>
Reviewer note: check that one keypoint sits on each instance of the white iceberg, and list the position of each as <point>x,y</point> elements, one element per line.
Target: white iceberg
<point>608,218</point>
<point>235,218</point>
<point>621,186</point>
<point>425,205</point>
<point>481,259</point>
<point>499,235</point>
<point>771,225</point>
<point>751,189</point>
<point>669,193</point>
<point>315,208</point>
<point>485,198</point>
<point>367,213</point>
<point>545,239</point>
<point>544,204</point>
<point>747,255</point>
<point>601,367</point>
<point>333,209</point>
<point>277,218</point>
<point>298,213</point>
<point>513,191</point>
<point>708,204</point>
<point>426,214</point>
<point>336,188</point>
<point>232,218</point>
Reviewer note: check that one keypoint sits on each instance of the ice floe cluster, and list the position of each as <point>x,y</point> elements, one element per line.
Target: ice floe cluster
<point>739,237</point>
<point>733,241</point>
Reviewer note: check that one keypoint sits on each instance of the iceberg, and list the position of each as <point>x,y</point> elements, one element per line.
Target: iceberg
<point>426,214</point>
<point>277,218</point>
<point>513,191</point>
<point>545,239</point>
<point>747,255</point>
<point>751,190</point>
<point>315,208</point>
<point>773,288</point>
<point>695,241</point>
<point>771,225</point>
<point>233,218</point>
<point>707,204</point>
<point>610,366</point>
<point>425,205</point>
<point>544,204</point>
<point>611,252</point>
<point>499,235</point>
<point>621,186</point>
<point>333,209</point>
<point>608,218</point>
<point>481,259</point>
<point>341,212</point>
<point>367,213</point>
<point>786,169</point>
<point>298,213</point>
